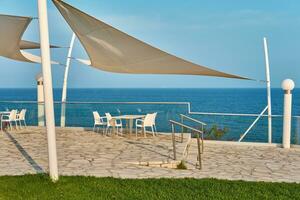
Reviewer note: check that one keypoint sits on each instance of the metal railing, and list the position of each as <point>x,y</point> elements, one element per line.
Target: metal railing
<point>79,114</point>
<point>192,119</point>
<point>183,117</point>
<point>200,141</point>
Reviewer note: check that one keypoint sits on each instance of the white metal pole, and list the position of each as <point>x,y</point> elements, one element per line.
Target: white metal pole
<point>48,93</point>
<point>64,90</point>
<point>287,85</point>
<point>268,91</point>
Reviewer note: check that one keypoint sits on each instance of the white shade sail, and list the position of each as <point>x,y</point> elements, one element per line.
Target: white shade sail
<point>112,50</point>
<point>11,45</point>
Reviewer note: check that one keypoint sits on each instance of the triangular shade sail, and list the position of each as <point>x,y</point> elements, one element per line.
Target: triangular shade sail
<point>112,50</point>
<point>12,29</point>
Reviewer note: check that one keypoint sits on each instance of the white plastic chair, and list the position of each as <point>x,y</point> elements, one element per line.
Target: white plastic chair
<point>147,122</point>
<point>21,118</point>
<point>118,123</point>
<point>10,118</point>
<point>99,121</point>
<point>154,122</point>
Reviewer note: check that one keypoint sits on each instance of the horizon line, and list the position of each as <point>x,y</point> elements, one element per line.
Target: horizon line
<point>148,88</point>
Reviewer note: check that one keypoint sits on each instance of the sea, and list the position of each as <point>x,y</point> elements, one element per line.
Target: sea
<point>169,104</point>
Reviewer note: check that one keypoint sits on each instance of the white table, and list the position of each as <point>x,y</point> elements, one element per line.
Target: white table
<point>129,121</point>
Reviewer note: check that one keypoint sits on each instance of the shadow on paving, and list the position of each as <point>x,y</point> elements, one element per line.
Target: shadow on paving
<point>29,159</point>
<point>143,145</point>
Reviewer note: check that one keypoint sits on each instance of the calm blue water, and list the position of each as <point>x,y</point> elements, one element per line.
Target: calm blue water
<point>202,100</point>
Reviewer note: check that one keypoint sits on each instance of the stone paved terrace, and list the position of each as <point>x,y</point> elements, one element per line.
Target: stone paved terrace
<point>87,153</point>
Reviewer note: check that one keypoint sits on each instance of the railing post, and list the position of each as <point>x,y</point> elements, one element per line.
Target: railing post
<point>199,151</point>
<point>182,129</point>
<point>202,139</point>
<point>174,141</point>
<point>40,99</point>
<point>287,85</point>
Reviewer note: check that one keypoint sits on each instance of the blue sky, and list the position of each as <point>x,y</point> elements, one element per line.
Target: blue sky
<point>225,35</point>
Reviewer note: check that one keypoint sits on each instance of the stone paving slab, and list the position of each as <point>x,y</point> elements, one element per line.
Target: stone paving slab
<point>87,153</point>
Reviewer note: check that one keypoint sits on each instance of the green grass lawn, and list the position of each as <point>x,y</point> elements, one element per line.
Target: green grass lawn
<point>40,187</point>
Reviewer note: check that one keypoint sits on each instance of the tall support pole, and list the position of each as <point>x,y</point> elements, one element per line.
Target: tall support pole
<point>287,85</point>
<point>268,91</point>
<point>64,90</point>
<point>48,89</point>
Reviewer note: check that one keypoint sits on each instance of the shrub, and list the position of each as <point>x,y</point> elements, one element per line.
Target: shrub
<point>182,165</point>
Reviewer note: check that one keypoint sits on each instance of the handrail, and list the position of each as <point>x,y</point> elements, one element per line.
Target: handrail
<point>200,141</point>
<point>238,114</point>
<point>185,126</point>
<point>192,119</point>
